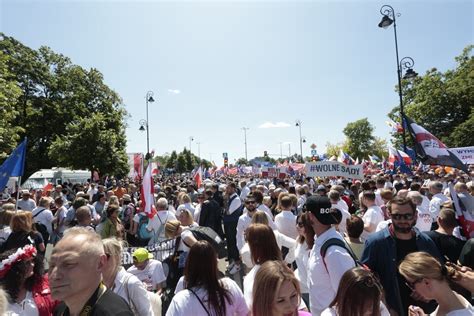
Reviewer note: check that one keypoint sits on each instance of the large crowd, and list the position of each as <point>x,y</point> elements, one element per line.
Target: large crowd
<point>390,244</point>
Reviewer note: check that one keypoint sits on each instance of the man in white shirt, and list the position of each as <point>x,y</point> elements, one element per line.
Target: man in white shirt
<point>43,215</point>
<point>380,184</point>
<point>158,222</point>
<point>424,220</point>
<point>372,216</point>
<point>147,270</point>
<point>437,200</point>
<point>244,190</point>
<point>341,205</point>
<point>26,203</point>
<point>324,273</point>
<point>286,220</point>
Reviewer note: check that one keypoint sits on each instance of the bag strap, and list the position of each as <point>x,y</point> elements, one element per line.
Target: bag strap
<point>39,213</point>
<point>340,243</point>
<point>202,304</point>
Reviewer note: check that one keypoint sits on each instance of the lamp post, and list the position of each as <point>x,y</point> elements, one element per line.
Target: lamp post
<point>144,123</point>
<point>190,141</point>
<point>245,129</point>
<point>389,18</point>
<point>281,150</point>
<point>199,150</point>
<point>298,124</point>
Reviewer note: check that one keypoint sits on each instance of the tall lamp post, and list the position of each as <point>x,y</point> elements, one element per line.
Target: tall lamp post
<point>245,129</point>
<point>298,124</point>
<point>199,150</point>
<point>144,123</point>
<point>389,18</point>
<point>190,141</point>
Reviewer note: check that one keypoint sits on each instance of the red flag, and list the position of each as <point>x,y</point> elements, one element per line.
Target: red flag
<point>198,177</point>
<point>137,165</point>
<point>465,218</point>
<point>48,186</point>
<point>146,193</point>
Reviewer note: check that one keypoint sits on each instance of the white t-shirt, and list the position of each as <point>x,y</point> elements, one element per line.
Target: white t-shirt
<point>324,274</point>
<point>286,224</point>
<point>436,203</point>
<point>156,222</point>
<point>467,311</point>
<point>28,205</point>
<point>301,257</point>
<point>383,224</point>
<point>26,307</point>
<point>185,303</point>
<point>342,206</point>
<point>424,220</point>
<point>151,276</point>
<point>331,311</point>
<point>61,215</point>
<point>248,285</point>
<point>132,290</point>
<point>4,233</point>
<point>373,215</point>
<point>45,217</point>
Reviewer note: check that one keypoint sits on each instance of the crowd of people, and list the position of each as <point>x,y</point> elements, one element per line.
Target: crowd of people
<point>390,244</point>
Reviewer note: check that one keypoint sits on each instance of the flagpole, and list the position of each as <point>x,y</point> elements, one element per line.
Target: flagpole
<point>17,194</point>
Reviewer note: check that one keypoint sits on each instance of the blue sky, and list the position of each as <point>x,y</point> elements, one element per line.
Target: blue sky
<point>218,66</point>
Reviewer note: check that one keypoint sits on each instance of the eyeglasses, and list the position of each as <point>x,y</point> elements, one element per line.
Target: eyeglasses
<point>406,217</point>
<point>411,285</point>
<point>300,224</point>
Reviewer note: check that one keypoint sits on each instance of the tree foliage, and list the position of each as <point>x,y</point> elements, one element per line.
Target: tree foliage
<point>442,102</point>
<point>359,138</point>
<point>57,98</point>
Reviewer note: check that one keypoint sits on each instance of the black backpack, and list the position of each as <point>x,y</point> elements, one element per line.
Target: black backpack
<point>209,235</point>
<point>41,228</point>
<point>340,243</point>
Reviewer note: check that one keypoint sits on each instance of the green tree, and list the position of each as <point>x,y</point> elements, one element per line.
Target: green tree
<point>442,102</point>
<point>104,134</point>
<point>359,138</point>
<point>9,94</point>
<point>181,164</point>
<point>171,161</point>
<point>333,149</point>
<point>242,161</point>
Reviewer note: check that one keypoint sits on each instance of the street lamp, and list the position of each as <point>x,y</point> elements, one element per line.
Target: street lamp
<point>199,150</point>
<point>389,18</point>
<point>144,126</point>
<point>190,140</point>
<point>298,124</point>
<point>245,129</point>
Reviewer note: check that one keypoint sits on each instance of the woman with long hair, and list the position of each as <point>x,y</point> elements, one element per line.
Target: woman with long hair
<point>23,233</point>
<point>123,283</point>
<point>112,226</point>
<point>429,278</point>
<point>205,293</point>
<point>359,294</point>
<point>302,250</point>
<point>276,291</point>
<point>263,247</point>
<point>23,278</point>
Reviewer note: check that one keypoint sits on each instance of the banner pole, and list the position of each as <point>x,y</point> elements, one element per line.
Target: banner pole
<point>17,194</point>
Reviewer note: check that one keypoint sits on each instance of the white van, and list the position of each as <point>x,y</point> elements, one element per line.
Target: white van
<point>55,176</point>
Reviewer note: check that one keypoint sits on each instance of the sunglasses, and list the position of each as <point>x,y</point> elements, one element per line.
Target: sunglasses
<point>411,285</point>
<point>300,224</point>
<point>406,217</point>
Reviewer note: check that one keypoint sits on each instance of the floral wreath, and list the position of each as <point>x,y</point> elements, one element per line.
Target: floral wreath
<point>24,253</point>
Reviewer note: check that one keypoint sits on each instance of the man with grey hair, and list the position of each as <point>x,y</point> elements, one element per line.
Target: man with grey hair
<point>158,222</point>
<point>437,200</point>
<point>75,274</point>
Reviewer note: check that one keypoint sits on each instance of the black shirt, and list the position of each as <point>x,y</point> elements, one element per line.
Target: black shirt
<point>467,254</point>
<point>405,247</point>
<point>448,245</point>
<point>109,304</point>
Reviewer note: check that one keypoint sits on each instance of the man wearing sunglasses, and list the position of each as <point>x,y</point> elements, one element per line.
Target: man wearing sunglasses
<point>385,249</point>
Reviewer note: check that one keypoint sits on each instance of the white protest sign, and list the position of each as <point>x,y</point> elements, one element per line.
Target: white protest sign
<point>334,169</point>
<point>465,154</point>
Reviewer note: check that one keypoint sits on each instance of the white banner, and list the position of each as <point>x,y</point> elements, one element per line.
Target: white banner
<point>334,169</point>
<point>465,154</point>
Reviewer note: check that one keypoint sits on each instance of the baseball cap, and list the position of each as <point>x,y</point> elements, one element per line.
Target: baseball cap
<point>321,208</point>
<point>141,254</point>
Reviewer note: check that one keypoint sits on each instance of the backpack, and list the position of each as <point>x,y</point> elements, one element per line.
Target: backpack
<point>340,243</point>
<point>41,228</point>
<point>142,233</point>
<point>209,235</point>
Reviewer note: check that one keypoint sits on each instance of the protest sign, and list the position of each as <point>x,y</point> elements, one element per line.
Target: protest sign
<point>159,250</point>
<point>334,169</point>
<point>465,154</point>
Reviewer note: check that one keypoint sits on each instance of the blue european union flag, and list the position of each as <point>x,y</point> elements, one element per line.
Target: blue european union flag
<point>14,165</point>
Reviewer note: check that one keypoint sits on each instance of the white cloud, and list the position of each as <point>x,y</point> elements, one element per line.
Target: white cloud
<point>174,91</point>
<point>274,125</point>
